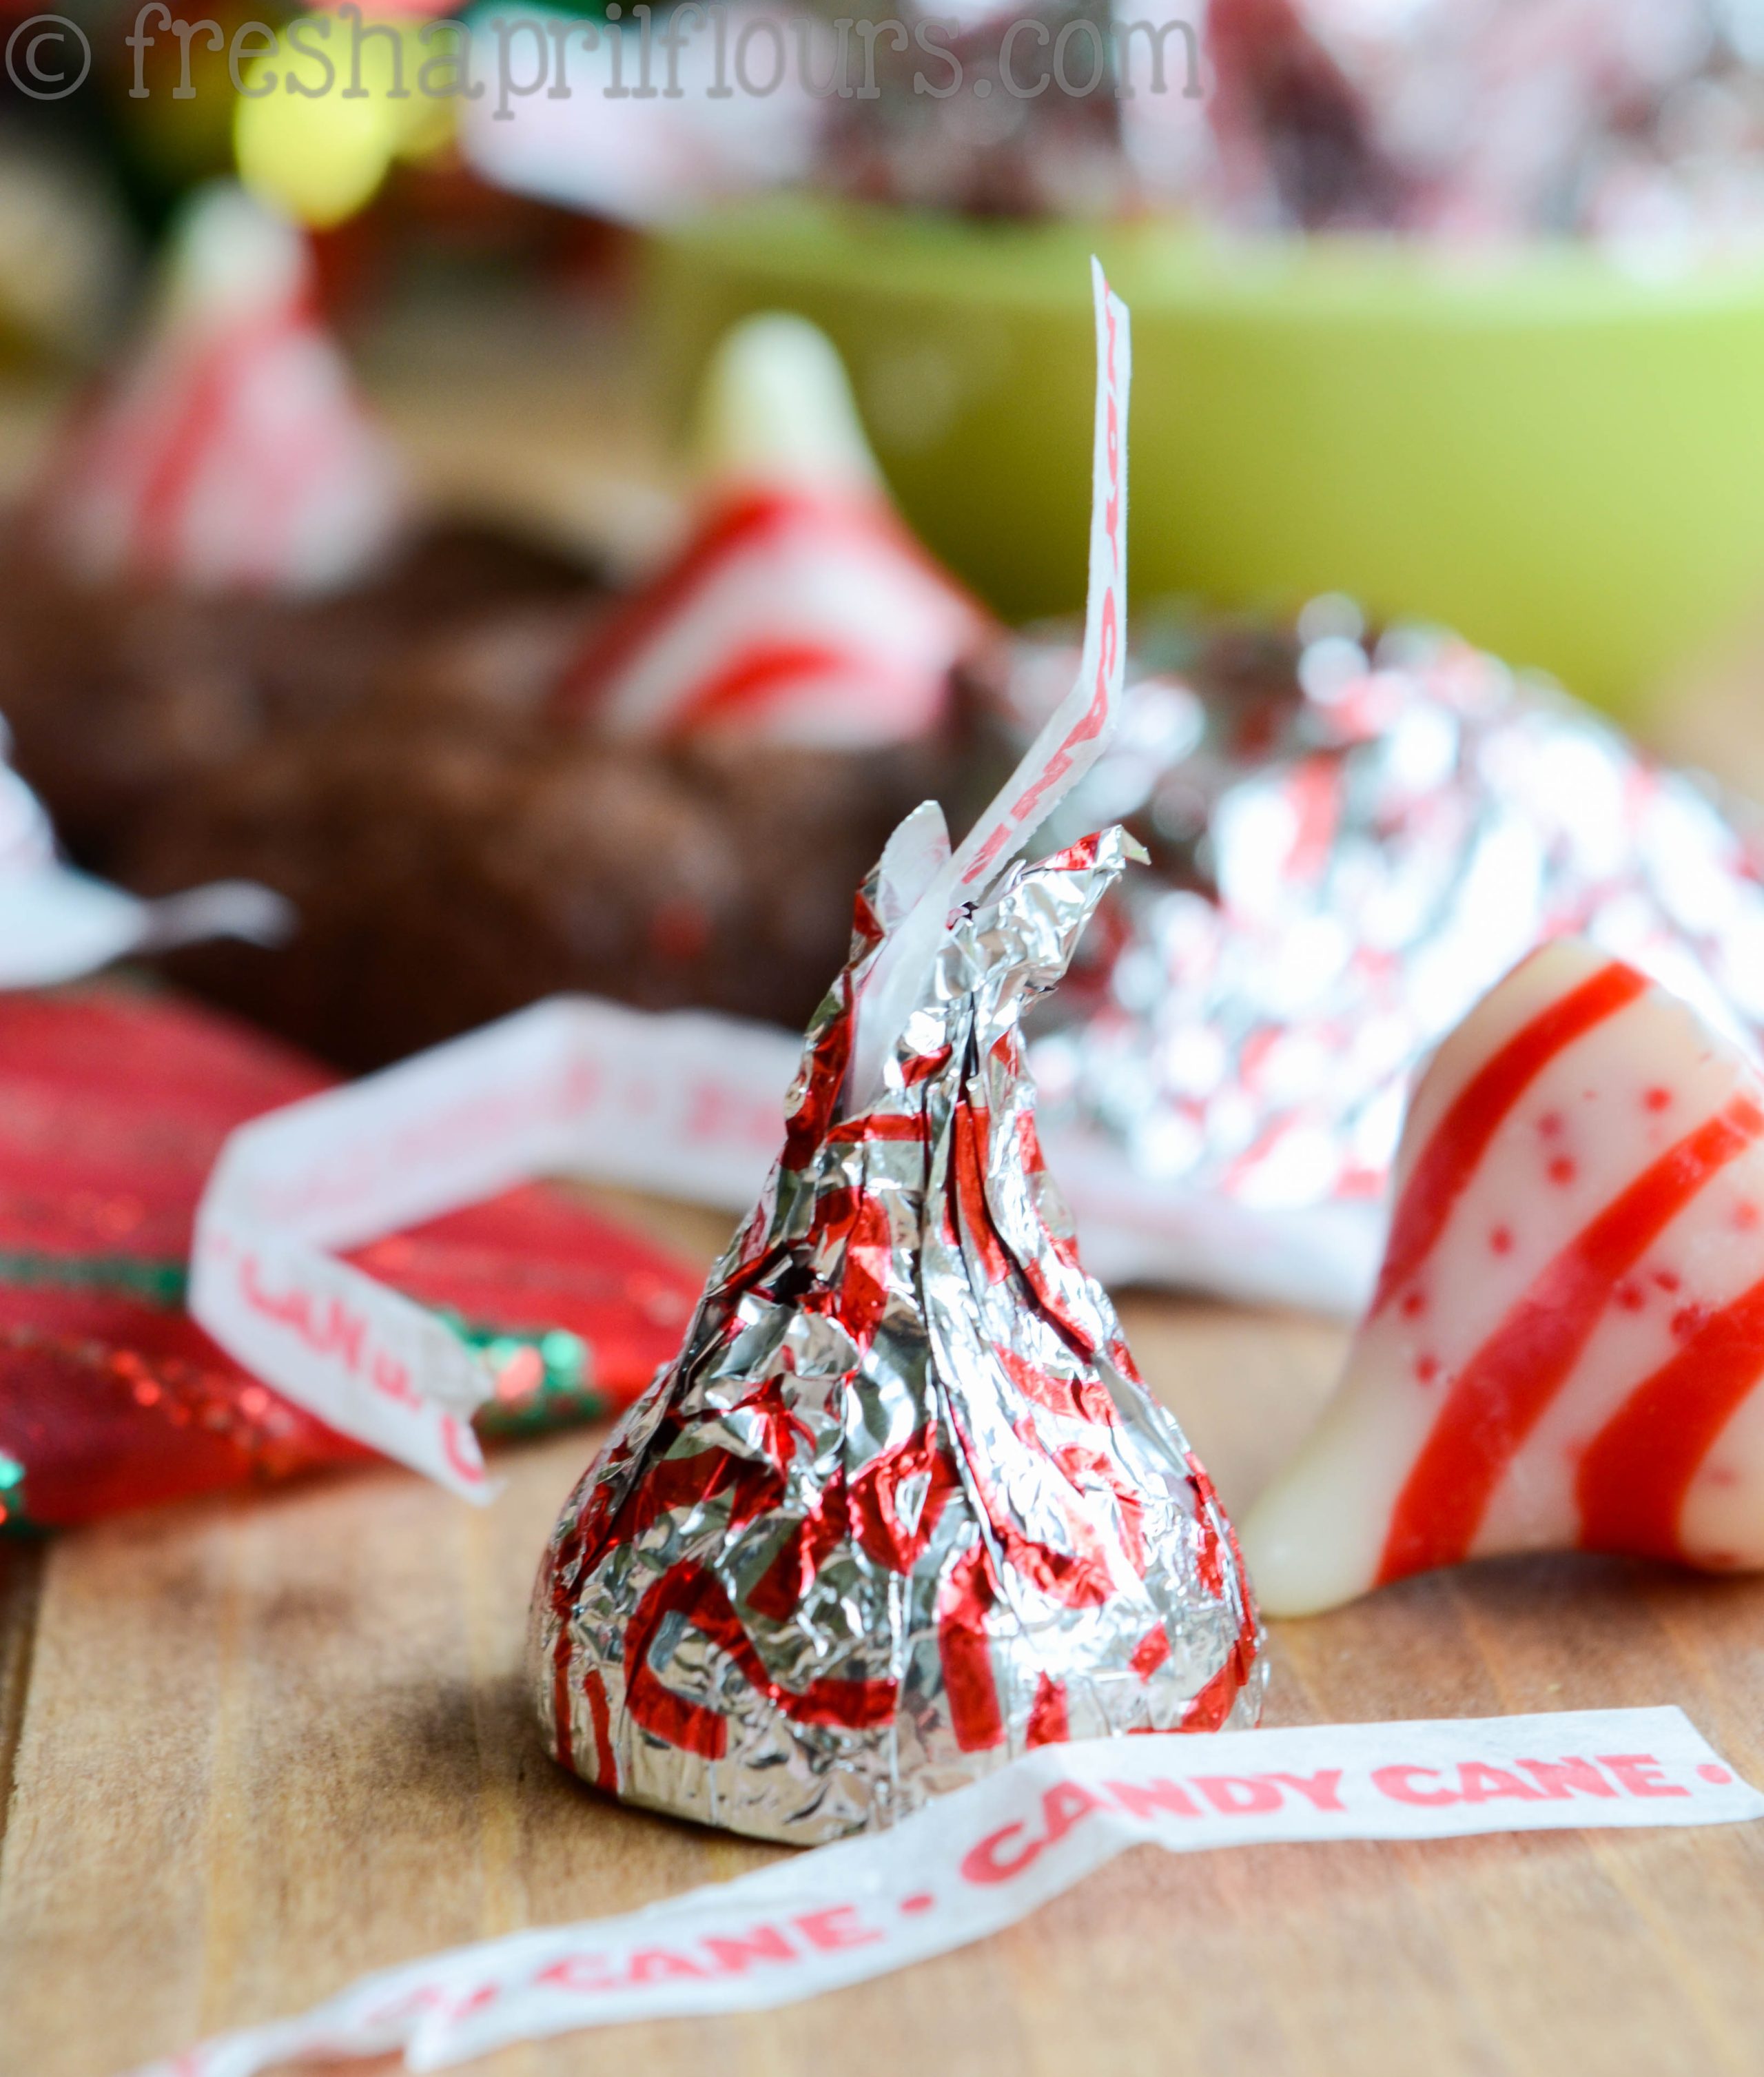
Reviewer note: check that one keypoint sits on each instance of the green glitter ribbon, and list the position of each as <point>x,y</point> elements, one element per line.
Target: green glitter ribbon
<point>13,1520</point>
<point>157,1283</point>
<point>544,1378</point>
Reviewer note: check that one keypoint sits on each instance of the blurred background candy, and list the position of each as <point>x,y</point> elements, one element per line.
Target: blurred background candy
<point>653,606</point>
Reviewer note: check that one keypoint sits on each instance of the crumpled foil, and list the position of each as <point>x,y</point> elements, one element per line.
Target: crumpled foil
<point>902,1507</point>
<point>1352,841</point>
<point>1635,123</point>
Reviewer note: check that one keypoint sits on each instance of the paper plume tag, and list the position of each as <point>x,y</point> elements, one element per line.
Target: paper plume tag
<point>987,1856</point>
<point>685,1104</point>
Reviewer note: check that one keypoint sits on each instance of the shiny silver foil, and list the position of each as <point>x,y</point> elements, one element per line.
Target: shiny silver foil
<point>902,1507</point>
<point>1354,841</point>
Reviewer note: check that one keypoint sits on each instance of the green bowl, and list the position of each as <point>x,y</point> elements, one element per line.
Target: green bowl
<point>1562,459</point>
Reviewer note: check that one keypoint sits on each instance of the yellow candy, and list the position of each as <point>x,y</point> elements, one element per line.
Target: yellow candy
<point>311,145</point>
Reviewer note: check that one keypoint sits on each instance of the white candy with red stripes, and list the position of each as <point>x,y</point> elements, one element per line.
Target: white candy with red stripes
<point>230,450</point>
<point>801,610</point>
<point>1567,1345</point>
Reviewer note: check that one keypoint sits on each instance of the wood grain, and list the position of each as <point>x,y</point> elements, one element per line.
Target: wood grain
<point>273,1740</point>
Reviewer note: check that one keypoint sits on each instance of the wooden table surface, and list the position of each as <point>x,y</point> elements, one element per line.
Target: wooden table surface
<point>261,1744</point>
<point>252,1748</point>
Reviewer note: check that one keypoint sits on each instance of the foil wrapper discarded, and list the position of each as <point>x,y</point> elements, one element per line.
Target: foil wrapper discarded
<point>1637,125</point>
<point>1353,840</point>
<point>902,1508</point>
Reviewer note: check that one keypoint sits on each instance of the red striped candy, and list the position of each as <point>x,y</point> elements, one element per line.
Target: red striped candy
<point>1566,1344</point>
<point>792,615</point>
<point>230,450</point>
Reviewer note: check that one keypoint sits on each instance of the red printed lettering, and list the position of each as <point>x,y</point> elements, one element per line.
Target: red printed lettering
<point>1484,1784</point>
<point>340,1333</point>
<point>1640,1774</point>
<point>1398,1783</point>
<point>764,1943</point>
<point>580,1087</point>
<point>834,1930</point>
<point>1322,1790</point>
<point>1141,1799</point>
<point>988,1863</point>
<point>392,1378</point>
<point>988,851</point>
<point>1112,510</point>
<point>1559,1778</point>
<point>453,1435</point>
<point>1109,643</point>
<point>583,1973</point>
<point>1088,724</point>
<point>347,1331</point>
<point>1062,1807</point>
<point>659,1965</point>
<point>708,1110</point>
<point>1238,1795</point>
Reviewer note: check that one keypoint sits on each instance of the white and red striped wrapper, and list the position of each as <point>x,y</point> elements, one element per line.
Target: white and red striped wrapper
<point>230,450</point>
<point>684,1104</point>
<point>1566,1347</point>
<point>988,1855</point>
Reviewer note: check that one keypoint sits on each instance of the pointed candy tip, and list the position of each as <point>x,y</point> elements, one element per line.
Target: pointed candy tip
<point>230,251</point>
<point>1299,1561</point>
<point>776,407</point>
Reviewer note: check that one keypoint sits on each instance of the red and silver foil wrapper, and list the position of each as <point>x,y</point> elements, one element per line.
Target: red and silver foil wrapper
<point>1355,840</point>
<point>1637,124</point>
<point>901,1509</point>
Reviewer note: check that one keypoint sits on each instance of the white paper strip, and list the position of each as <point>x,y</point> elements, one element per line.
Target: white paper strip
<point>987,1856</point>
<point>1071,738</point>
<point>688,1103</point>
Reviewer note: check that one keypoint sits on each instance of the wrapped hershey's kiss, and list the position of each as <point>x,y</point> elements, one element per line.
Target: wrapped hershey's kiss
<point>1565,1349</point>
<point>901,1509</point>
<point>229,449</point>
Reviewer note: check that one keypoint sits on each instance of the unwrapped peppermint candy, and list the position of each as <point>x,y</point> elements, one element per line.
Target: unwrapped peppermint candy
<point>902,1508</point>
<point>1566,1348</point>
<point>800,610</point>
<point>229,449</point>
